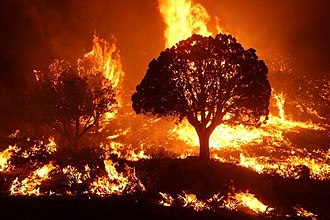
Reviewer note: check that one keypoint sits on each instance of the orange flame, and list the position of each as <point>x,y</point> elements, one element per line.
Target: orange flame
<point>237,201</point>
<point>116,183</point>
<point>238,138</point>
<point>247,200</point>
<point>5,157</point>
<point>31,184</point>
<point>105,58</point>
<point>304,213</point>
<point>183,18</point>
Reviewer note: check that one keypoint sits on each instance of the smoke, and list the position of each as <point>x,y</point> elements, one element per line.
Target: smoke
<point>34,32</point>
<point>299,29</point>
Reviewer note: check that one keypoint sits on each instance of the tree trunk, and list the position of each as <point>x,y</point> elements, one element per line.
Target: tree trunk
<point>204,151</point>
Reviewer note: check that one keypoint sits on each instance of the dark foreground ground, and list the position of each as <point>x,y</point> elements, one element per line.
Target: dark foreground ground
<point>174,176</point>
<point>96,208</point>
<point>105,208</point>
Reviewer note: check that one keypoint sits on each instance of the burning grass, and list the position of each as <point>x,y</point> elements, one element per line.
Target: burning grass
<point>273,171</point>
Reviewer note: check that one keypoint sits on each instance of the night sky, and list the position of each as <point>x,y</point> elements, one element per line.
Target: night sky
<point>35,32</point>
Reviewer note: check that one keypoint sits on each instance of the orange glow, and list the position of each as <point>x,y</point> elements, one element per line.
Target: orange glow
<point>245,202</point>
<point>115,182</point>
<point>280,104</point>
<point>105,58</point>
<point>167,199</point>
<point>239,138</point>
<point>304,213</point>
<point>51,146</point>
<point>31,184</point>
<point>183,18</point>
<point>190,200</point>
<point>5,157</point>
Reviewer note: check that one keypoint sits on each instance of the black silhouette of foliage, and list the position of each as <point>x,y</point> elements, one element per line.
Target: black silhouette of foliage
<point>209,81</point>
<point>73,102</point>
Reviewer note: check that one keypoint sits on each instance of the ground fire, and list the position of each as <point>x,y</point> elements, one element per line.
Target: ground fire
<point>261,141</point>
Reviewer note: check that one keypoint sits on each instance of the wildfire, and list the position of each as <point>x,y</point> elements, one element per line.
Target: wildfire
<point>5,157</point>
<point>184,18</point>
<point>190,200</point>
<point>31,184</point>
<point>304,213</point>
<point>287,167</point>
<point>237,201</point>
<point>104,57</point>
<point>269,137</point>
<point>280,104</point>
<point>125,152</point>
<point>116,182</point>
<point>75,176</point>
<point>51,146</point>
<point>247,200</point>
<point>167,199</point>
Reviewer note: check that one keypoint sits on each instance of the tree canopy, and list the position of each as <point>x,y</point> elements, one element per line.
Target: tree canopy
<point>73,102</point>
<point>209,81</point>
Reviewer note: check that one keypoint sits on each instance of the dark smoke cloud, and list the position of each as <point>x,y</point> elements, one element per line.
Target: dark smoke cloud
<point>280,28</point>
<point>34,32</point>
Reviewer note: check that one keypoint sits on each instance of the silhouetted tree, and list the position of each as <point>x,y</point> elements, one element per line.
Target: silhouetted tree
<point>73,102</point>
<point>209,81</point>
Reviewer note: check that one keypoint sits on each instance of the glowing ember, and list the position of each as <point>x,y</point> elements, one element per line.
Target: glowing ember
<point>167,199</point>
<point>5,157</point>
<point>304,213</point>
<point>51,146</point>
<point>190,200</point>
<point>31,184</point>
<point>116,182</point>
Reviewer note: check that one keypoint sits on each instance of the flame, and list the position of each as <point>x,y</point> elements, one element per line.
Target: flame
<point>269,137</point>
<point>124,152</point>
<point>115,182</point>
<point>167,199</point>
<point>31,184</point>
<point>280,104</point>
<point>304,213</point>
<point>51,146</point>
<point>5,157</point>
<point>190,200</point>
<point>238,201</point>
<point>318,167</point>
<point>75,176</point>
<point>105,58</point>
<point>247,200</point>
<point>183,18</point>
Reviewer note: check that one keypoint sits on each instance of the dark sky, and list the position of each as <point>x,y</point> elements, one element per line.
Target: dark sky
<point>34,32</point>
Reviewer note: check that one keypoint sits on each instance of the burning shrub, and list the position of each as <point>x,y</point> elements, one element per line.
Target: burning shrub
<point>73,102</point>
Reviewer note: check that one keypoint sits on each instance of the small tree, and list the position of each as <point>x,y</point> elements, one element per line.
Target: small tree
<point>73,102</point>
<point>209,81</point>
